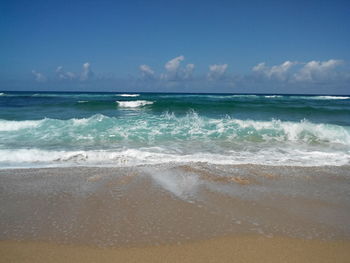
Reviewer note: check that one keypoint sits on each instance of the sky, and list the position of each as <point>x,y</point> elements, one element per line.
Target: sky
<point>176,46</point>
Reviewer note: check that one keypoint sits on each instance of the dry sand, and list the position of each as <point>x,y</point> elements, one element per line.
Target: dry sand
<point>246,249</point>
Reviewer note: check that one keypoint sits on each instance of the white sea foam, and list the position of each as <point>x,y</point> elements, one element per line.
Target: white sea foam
<point>322,97</point>
<point>332,97</point>
<point>132,157</point>
<point>134,103</point>
<point>128,95</point>
<point>190,127</point>
<point>273,96</point>
<point>2,94</point>
<point>169,138</point>
<point>17,125</point>
<point>83,101</point>
<point>299,131</point>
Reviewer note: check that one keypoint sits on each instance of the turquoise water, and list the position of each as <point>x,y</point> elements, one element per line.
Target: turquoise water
<point>111,129</point>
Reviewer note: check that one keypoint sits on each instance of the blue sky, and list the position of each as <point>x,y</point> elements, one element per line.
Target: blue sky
<point>187,46</point>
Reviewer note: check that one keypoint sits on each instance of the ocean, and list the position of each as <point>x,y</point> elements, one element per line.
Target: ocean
<point>59,129</point>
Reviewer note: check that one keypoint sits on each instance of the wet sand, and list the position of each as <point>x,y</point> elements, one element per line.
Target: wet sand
<point>175,213</point>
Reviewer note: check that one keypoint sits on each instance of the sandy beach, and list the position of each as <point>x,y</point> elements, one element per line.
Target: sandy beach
<point>225,249</point>
<point>175,213</point>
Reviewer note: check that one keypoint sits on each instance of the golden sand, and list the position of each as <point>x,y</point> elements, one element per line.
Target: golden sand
<point>227,249</point>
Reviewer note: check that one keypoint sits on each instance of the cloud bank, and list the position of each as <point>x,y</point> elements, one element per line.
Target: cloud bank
<point>318,70</point>
<point>298,72</point>
<point>279,72</point>
<point>288,76</point>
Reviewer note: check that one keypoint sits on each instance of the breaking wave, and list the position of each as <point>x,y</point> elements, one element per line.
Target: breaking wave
<point>133,104</point>
<point>128,95</point>
<point>273,96</point>
<point>170,127</point>
<point>134,140</point>
<point>6,126</point>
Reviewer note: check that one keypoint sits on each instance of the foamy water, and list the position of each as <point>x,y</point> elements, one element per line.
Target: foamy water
<point>128,95</point>
<point>62,129</point>
<point>133,104</point>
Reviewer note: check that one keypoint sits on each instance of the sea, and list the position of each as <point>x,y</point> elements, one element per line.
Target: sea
<point>60,129</point>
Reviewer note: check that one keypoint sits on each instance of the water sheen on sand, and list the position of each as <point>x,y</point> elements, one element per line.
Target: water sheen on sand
<point>167,204</point>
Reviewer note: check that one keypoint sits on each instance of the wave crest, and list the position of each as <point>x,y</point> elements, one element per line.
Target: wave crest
<point>6,126</point>
<point>169,127</point>
<point>146,138</point>
<point>133,103</point>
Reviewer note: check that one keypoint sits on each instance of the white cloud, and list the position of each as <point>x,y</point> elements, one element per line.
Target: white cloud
<point>39,77</point>
<point>216,71</point>
<point>172,68</point>
<point>86,73</point>
<point>173,64</point>
<point>64,75</point>
<point>261,67</point>
<point>188,71</point>
<point>147,71</point>
<point>317,70</point>
<point>309,72</point>
<point>279,72</point>
<point>174,72</point>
